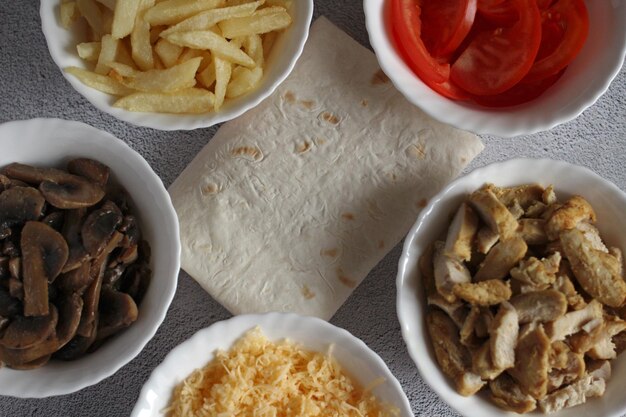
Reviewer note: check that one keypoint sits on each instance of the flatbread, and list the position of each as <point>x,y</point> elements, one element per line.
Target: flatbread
<point>291,205</point>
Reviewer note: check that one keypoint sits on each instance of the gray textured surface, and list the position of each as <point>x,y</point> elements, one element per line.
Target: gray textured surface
<point>32,86</point>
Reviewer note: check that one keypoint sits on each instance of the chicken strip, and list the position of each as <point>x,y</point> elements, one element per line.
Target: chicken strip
<point>574,211</point>
<point>486,239</point>
<point>484,293</point>
<point>541,306</point>
<point>468,330</point>
<point>533,231</point>
<point>461,233</point>
<point>532,361</point>
<point>525,195</point>
<point>482,364</point>
<point>457,310</point>
<point>468,384</point>
<point>598,273</point>
<point>549,196</point>
<point>536,210</point>
<point>574,394</point>
<point>564,285</point>
<point>573,321</point>
<point>448,272</point>
<point>538,273</point>
<point>598,341</point>
<point>504,331</point>
<point>494,213</point>
<point>592,234</point>
<point>506,394</point>
<point>499,261</point>
<point>572,368</point>
<point>599,369</point>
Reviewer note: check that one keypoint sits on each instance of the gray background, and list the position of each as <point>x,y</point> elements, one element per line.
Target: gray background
<point>32,86</point>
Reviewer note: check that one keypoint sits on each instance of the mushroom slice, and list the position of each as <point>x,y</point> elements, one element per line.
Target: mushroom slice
<point>493,212</point>
<point>20,204</point>
<point>541,306</point>
<point>44,253</point>
<point>76,280</point>
<point>567,217</point>
<point>75,348</point>
<point>19,357</point>
<point>525,195</point>
<point>37,363</point>
<point>448,272</point>
<point>598,273</point>
<point>461,233</point>
<point>55,220</point>
<point>504,332</point>
<point>508,395</point>
<point>486,239</point>
<point>532,361</point>
<point>533,231</point>
<point>574,394</point>
<point>93,170</point>
<point>116,311</point>
<point>482,364</point>
<point>573,321</point>
<point>70,310</point>
<point>71,232</point>
<point>99,226</point>
<point>26,332</point>
<point>9,306</point>
<point>484,293</point>
<point>499,261</point>
<point>538,273</point>
<point>456,310</point>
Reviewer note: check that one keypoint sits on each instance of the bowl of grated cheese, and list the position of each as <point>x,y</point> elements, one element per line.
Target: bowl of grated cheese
<point>272,364</point>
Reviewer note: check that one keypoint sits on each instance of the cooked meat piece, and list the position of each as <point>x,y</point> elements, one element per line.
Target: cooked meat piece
<point>599,369</point>
<point>574,394</point>
<point>574,211</point>
<point>558,355</point>
<point>525,195</point>
<point>549,196</point>
<point>598,273</point>
<point>532,361</point>
<point>484,293</point>
<point>516,209</point>
<point>448,272</point>
<point>597,342</point>
<point>468,384</point>
<point>485,239</point>
<point>461,233</point>
<point>573,369</point>
<point>541,306</point>
<point>468,334</point>
<point>504,331</point>
<point>482,364</point>
<point>604,349</point>
<point>483,324</point>
<point>617,252</point>
<point>508,395</point>
<point>427,271</point>
<point>535,210</point>
<point>499,261</point>
<point>537,273</point>
<point>453,358</point>
<point>519,287</point>
<point>619,341</point>
<point>457,310</point>
<point>533,231</point>
<point>493,212</point>
<point>573,321</point>
<point>592,234</point>
<point>565,285</point>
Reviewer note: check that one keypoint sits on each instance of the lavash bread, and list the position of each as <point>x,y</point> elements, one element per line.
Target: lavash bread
<point>289,207</point>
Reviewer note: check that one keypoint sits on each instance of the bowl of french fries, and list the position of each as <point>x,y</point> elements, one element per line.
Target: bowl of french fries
<point>175,64</point>
<point>511,292</point>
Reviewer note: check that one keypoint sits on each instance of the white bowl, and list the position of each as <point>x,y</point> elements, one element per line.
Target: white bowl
<point>586,79</point>
<point>286,51</point>
<point>609,203</point>
<point>314,334</point>
<point>51,143</point>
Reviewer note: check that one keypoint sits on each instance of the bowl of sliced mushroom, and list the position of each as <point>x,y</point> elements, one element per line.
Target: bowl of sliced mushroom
<point>511,292</point>
<point>89,256</point>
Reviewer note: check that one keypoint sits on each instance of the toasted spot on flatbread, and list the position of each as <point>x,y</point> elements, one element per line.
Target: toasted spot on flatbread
<point>422,203</point>
<point>251,153</point>
<point>308,104</point>
<point>364,102</point>
<point>379,77</point>
<point>303,147</point>
<point>320,141</point>
<point>332,253</point>
<point>307,293</point>
<point>209,189</point>
<point>329,117</point>
<point>347,216</point>
<point>416,151</point>
<point>289,97</point>
<point>348,282</point>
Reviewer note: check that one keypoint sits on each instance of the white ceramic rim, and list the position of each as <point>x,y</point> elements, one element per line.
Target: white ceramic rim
<point>265,321</point>
<point>405,258</point>
<point>463,119</point>
<point>87,379</point>
<point>184,121</point>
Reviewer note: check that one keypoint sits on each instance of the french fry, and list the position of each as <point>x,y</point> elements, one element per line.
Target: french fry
<point>189,53</point>
<point>208,19</point>
<point>108,52</point>
<point>223,71</point>
<point>99,82</point>
<point>68,14</point>
<point>268,43</point>
<point>206,77</point>
<point>174,11</point>
<point>89,51</point>
<point>259,22</point>
<point>193,100</point>
<point>155,33</point>
<point>281,3</point>
<point>109,4</point>
<point>253,46</point>
<point>168,80</point>
<point>122,70</point>
<point>124,18</point>
<point>91,12</point>
<point>140,44</point>
<point>213,42</point>
<point>107,20</point>
<point>167,52</point>
<point>243,81</point>
<point>123,53</point>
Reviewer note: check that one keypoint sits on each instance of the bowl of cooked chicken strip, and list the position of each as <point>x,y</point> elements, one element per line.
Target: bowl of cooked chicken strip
<point>511,292</point>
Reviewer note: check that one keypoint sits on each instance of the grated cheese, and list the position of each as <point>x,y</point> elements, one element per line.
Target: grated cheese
<point>260,378</point>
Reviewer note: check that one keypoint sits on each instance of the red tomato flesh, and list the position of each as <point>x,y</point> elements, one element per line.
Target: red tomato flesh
<point>405,15</point>
<point>445,23</point>
<point>499,12</point>
<point>497,60</point>
<point>521,93</point>
<point>572,18</point>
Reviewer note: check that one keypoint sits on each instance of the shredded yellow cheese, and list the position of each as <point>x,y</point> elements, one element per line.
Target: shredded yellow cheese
<point>260,378</point>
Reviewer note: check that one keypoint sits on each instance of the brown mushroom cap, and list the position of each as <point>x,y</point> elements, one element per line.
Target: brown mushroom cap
<point>44,253</point>
<point>99,226</point>
<point>37,363</point>
<point>20,204</point>
<point>116,311</point>
<point>71,232</point>
<point>70,310</point>
<point>26,332</point>
<point>19,357</point>
<point>56,219</point>
<point>9,306</point>
<point>76,280</point>
<point>92,170</point>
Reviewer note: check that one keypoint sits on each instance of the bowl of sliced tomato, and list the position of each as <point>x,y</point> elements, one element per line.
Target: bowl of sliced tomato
<point>500,67</point>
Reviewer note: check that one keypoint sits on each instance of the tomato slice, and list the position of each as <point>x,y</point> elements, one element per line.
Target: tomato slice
<point>572,17</point>
<point>521,93</point>
<point>450,90</point>
<point>405,15</point>
<point>551,37</point>
<point>496,60</point>
<point>445,23</point>
<point>500,12</point>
